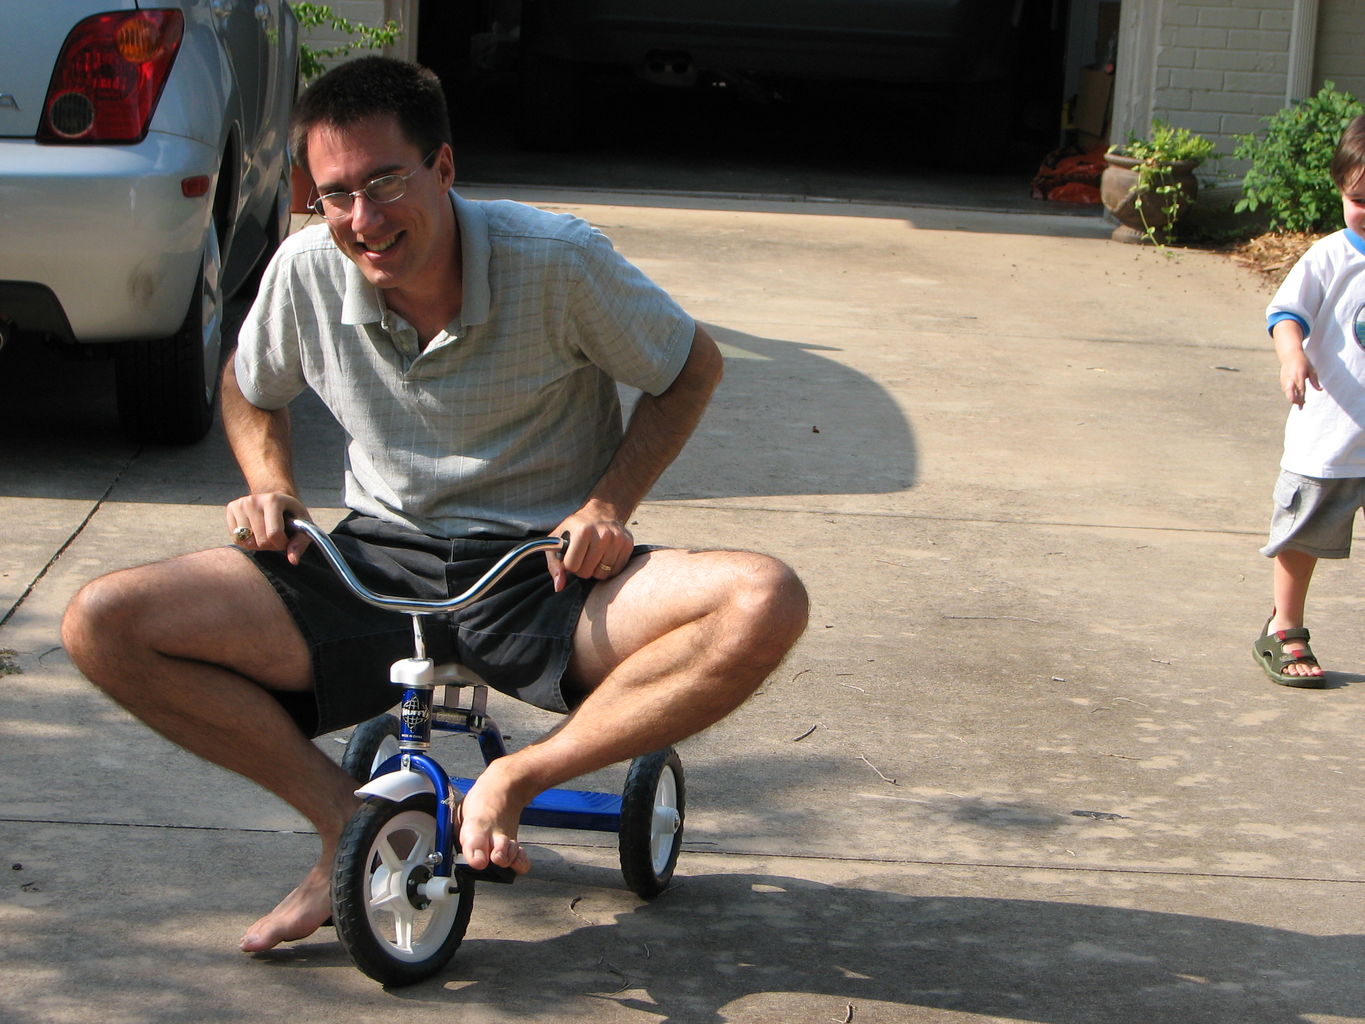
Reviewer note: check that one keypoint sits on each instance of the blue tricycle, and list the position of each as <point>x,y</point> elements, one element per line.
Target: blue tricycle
<point>401,895</point>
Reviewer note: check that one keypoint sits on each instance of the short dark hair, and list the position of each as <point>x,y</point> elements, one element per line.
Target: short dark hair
<point>1349,159</point>
<point>373,87</point>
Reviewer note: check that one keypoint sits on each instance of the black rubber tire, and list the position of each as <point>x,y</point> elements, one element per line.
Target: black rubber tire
<point>362,756</point>
<point>369,934</point>
<point>276,231</point>
<point>647,858</point>
<point>164,392</point>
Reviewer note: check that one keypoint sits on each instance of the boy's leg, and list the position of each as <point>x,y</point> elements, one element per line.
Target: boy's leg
<point>1293,572</point>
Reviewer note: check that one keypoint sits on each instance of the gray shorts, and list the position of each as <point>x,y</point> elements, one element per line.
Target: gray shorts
<point>1314,516</point>
<point>517,639</point>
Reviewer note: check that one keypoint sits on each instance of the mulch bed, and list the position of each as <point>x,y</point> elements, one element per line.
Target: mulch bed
<point>1272,255</point>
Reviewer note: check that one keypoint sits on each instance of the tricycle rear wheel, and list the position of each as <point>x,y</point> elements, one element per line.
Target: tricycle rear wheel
<point>653,803</point>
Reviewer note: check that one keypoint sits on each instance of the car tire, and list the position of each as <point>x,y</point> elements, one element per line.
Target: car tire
<point>276,231</point>
<point>166,386</point>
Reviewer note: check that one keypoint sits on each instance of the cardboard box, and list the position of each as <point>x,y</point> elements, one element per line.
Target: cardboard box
<point>1094,106</point>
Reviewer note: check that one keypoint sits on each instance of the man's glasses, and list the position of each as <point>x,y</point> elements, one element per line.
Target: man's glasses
<point>385,189</point>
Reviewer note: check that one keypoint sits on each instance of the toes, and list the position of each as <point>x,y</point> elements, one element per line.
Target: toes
<point>476,857</point>
<point>507,853</point>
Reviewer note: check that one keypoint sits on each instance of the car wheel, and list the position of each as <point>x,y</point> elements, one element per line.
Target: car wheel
<point>276,231</point>
<point>166,386</point>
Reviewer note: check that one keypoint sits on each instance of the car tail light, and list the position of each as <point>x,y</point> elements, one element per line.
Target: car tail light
<point>109,77</point>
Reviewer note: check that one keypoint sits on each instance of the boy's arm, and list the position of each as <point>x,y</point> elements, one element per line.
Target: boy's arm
<point>1296,372</point>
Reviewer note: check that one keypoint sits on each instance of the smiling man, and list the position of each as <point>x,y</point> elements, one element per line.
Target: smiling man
<point>471,353</point>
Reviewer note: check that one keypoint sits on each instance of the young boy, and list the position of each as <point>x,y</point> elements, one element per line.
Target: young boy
<point>1317,320</point>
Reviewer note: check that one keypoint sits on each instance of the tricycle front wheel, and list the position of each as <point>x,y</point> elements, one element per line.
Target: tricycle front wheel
<point>373,742</point>
<point>383,912</point>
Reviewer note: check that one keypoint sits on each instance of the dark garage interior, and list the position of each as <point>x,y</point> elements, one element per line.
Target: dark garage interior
<point>895,98</point>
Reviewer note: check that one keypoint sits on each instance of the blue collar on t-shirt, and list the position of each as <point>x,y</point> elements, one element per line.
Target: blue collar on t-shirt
<point>1356,241</point>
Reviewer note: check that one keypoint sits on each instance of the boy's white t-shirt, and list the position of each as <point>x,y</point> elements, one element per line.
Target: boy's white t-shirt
<point>1325,293</point>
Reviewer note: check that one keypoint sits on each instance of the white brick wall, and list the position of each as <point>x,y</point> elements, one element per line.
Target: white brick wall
<point>1341,46</point>
<point>1221,66</point>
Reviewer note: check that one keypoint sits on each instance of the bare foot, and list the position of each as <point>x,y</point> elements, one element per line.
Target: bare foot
<point>298,915</point>
<point>488,817</point>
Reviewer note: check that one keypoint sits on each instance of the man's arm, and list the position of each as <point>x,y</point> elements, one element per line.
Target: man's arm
<point>599,542</point>
<point>261,443</point>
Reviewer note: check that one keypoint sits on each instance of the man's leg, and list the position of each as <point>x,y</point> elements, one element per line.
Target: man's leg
<point>187,646</point>
<point>667,648</point>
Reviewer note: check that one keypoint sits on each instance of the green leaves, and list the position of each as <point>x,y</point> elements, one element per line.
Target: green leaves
<point>1158,197</point>
<point>365,37</point>
<point>1168,144</point>
<point>1289,174</point>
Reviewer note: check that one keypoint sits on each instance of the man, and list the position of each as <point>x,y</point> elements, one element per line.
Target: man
<point>470,351</point>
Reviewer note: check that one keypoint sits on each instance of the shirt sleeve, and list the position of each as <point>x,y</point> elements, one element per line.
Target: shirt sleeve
<point>269,362</point>
<point>626,324</point>
<point>1299,296</point>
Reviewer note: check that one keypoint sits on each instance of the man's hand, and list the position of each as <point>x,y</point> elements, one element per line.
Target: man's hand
<point>599,546</point>
<point>257,521</point>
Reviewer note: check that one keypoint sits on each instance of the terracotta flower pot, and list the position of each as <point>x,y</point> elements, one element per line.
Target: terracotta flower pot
<point>302,189</point>
<point>1143,213</point>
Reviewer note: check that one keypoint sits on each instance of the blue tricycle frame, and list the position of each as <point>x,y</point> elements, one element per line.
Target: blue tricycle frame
<point>401,897</point>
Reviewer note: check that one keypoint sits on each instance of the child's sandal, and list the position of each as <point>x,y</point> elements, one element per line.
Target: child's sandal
<point>1270,655</point>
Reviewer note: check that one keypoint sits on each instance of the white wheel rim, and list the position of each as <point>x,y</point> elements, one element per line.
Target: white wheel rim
<point>665,823</point>
<point>401,847</point>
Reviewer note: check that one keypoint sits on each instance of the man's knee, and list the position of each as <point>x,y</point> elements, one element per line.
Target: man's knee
<point>101,610</point>
<point>768,604</point>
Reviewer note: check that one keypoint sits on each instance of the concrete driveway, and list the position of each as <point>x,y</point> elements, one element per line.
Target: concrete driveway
<point>1021,768</point>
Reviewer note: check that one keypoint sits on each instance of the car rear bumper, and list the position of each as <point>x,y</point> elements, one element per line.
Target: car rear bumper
<point>120,243</point>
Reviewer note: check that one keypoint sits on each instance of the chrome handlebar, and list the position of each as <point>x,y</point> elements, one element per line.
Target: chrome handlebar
<point>412,605</point>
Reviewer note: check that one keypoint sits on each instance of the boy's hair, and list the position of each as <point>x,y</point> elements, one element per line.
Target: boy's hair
<point>373,87</point>
<point>1349,159</point>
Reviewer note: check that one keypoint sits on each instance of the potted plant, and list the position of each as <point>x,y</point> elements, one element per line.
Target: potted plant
<point>1148,183</point>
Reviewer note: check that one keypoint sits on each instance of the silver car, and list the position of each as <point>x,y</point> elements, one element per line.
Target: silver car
<point>143,177</point>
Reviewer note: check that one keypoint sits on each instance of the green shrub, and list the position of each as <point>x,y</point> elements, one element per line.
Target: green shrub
<point>365,37</point>
<point>1289,177</point>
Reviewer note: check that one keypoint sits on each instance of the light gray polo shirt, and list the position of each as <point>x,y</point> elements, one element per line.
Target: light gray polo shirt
<point>506,420</point>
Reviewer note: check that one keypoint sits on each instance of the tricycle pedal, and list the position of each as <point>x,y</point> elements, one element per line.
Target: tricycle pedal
<point>492,873</point>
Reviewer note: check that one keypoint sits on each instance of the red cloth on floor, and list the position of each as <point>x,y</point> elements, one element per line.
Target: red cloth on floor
<point>1070,175</point>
